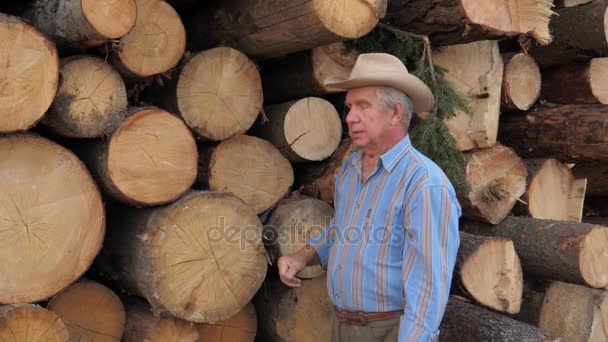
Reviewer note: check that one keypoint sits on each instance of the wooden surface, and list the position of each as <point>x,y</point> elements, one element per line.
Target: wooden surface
<point>521,82</point>
<point>577,83</point>
<point>241,327</point>
<point>144,325</point>
<point>29,322</point>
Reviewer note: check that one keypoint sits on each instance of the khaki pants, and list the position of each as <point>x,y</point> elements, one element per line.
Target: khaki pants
<point>377,331</point>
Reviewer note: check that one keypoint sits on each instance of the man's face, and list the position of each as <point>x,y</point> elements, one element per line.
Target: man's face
<point>368,120</point>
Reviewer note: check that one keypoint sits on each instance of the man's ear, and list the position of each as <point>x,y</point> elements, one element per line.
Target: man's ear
<point>397,115</point>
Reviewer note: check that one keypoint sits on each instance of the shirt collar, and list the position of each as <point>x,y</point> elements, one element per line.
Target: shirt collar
<point>390,158</point>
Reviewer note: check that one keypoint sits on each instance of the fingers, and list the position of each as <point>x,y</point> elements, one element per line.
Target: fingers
<point>288,273</point>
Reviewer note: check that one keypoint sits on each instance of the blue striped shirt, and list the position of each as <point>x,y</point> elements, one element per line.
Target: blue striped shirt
<point>392,242</point>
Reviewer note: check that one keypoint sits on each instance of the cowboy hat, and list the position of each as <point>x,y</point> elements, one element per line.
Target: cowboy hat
<point>382,69</point>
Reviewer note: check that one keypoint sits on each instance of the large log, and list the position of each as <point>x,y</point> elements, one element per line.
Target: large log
<point>497,177</point>
<point>555,250</point>
<point>250,168</point>
<point>477,71</point>
<point>552,193</point>
<point>144,325</point>
<point>155,44</point>
<point>304,74</point>
<point>241,327</point>
<point>28,322</point>
<point>567,132</point>
<point>596,175</point>
<point>451,22</point>
<point>293,222</point>
<point>578,83</point>
<point>266,29</point>
<point>91,101</point>
<point>464,322</point>
<point>301,314</point>
<point>304,130</point>
<point>521,82</point>
<point>200,259</point>
<point>52,218</point>
<point>83,23</point>
<point>90,311</point>
<point>30,74</point>
<point>489,271</point>
<point>150,159</point>
<point>580,33</point>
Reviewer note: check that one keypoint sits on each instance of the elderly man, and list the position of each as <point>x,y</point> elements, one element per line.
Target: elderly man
<point>390,248</point>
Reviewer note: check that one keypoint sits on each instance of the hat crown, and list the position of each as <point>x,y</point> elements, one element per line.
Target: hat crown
<point>372,64</point>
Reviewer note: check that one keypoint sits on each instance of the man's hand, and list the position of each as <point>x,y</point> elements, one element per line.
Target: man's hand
<point>289,266</point>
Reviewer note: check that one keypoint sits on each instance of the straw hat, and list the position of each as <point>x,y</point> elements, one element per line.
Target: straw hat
<point>382,69</point>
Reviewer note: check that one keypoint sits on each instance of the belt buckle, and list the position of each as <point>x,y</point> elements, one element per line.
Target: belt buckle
<point>361,320</point>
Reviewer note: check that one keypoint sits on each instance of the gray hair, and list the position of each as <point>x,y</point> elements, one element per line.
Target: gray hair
<point>389,96</point>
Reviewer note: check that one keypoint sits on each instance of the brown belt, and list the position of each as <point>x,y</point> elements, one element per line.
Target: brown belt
<point>361,318</point>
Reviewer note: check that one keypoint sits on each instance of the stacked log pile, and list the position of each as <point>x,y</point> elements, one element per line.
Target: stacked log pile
<point>171,151</point>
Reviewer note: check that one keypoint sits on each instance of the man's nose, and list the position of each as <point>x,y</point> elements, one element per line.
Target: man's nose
<point>352,116</point>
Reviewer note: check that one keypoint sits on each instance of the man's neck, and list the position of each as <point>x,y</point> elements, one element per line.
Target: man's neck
<point>375,151</point>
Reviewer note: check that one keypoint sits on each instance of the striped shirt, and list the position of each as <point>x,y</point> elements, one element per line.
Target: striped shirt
<point>392,242</point>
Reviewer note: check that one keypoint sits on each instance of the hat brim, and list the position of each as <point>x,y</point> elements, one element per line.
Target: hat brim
<point>412,86</point>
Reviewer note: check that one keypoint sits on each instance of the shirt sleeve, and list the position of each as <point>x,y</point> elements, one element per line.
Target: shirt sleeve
<point>429,254</point>
<point>322,243</point>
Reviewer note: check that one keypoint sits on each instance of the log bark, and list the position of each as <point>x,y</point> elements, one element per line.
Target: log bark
<point>80,24</point>
<point>150,159</point>
<point>301,314</point>
<point>265,29</point>
<point>463,21</point>
<point>91,101</point>
<point>250,168</point>
<point>30,78</point>
<point>489,271</point>
<point>497,177</point>
<point>477,71</point>
<point>90,312</point>
<point>567,132</point>
<point>241,327</point>
<point>293,222</point>
<point>29,322</point>
<point>303,130</point>
<point>219,93</point>
<point>596,175</point>
<point>521,82</point>
<point>578,83</point>
<point>155,44</point>
<point>52,218</point>
<point>318,180</point>
<point>200,259</point>
<point>304,74</point>
<point>143,325</point>
<point>554,250</point>
<point>580,33</point>
<point>552,179</point>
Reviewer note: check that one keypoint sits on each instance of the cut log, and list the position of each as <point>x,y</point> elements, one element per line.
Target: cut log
<point>90,311</point>
<point>293,222</point>
<point>318,180</point>
<point>580,33</point>
<point>263,29</point>
<point>219,93</point>
<point>463,21</point>
<point>29,74</point>
<point>155,44</point>
<point>464,322</point>
<point>200,259</point>
<point>83,23</point>
<point>143,325</point>
<point>579,83</point>
<point>91,101</point>
<point>250,168</point>
<point>521,82</point>
<point>489,271</point>
<point>241,327</point>
<point>567,132</point>
<point>52,218</point>
<point>301,314</point>
<point>28,322</point>
<point>552,193</point>
<point>596,175</point>
<point>497,177</point>
<point>150,159</point>
<point>304,74</point>
<point>304,130</point>
<point>476,69</point>
<point>555,250</point>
